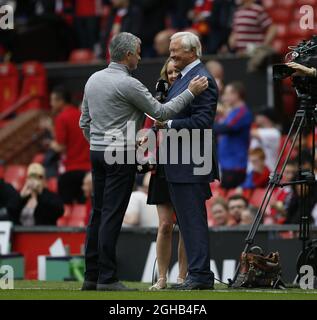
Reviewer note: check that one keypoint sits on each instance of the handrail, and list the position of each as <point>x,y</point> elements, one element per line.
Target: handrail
<point>19,104</point>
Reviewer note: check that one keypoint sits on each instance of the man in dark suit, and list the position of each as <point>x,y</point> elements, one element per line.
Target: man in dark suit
<point>189,190</point>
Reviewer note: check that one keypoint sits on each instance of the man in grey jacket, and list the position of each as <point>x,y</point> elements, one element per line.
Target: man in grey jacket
<point>113,100</point>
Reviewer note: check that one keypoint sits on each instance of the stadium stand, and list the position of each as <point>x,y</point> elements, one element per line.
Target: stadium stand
<point>9,85</point>
<point>34,84</point>
<point>74,216</point>
<point>19,140</point>
<point>82,56</point>
<point>15,175</point>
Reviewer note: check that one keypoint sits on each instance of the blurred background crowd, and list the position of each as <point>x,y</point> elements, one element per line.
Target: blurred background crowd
<point>55,186</point>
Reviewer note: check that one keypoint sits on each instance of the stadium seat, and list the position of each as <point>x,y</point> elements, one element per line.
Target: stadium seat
<point>216,189</point>
<point>38,158</point>
<point>257,197</point>
<point>15,175</point>
<point>295,31</point>
<point>81,56</point>
<point>282,30</point>
<point>300,3</point>
<point>52,184</point>
<point>63,221</point>
<point>9,85</point>
<point>34,83</point>
<point>247,193</point>
<point>1,171</point>
<point>280,15</point>
<point>280,46</point>
<point>231,192</point>
<point>286,4</point>
<point>78,216</point>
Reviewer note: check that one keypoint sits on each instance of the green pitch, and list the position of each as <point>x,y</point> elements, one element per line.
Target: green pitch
<point>37,290</point>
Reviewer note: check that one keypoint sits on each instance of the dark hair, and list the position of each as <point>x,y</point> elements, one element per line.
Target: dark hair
<point>220,201</point>
<point>239,88</point>
<point>292,162</point>
<point>239,197</point>
<point>62,93</point>
<point>268,113</point>
<point>257,152</point>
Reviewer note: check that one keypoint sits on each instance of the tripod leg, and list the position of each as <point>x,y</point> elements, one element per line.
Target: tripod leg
<point>275,180</point>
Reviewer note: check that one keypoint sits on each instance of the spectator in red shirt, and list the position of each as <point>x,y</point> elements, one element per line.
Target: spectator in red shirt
<point>252,27</point>
<point>281,197</point>
<point>258,177</point>
<point>71,144</point>
<point>199,15</point>
<point>125,17</point>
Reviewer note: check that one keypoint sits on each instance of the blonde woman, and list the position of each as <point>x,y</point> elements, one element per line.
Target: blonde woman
<point>159,195</point>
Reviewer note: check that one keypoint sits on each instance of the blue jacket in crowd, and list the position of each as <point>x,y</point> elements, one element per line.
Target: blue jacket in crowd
<point>234,138</point>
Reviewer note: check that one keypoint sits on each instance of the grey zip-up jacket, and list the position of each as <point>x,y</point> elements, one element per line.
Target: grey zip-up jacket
<point>114,105</point>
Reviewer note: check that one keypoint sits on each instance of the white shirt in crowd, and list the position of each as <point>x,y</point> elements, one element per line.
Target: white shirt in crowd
<point>269,140</point>
<point>146,215</point>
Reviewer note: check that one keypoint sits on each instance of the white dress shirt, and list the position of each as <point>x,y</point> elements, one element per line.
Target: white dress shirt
<point>183,73</point>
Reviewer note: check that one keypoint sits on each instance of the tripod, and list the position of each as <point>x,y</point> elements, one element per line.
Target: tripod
<point>305,118</point>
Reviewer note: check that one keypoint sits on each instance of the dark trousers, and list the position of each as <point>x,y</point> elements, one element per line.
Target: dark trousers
<point>189,202</point>
<point>232,178</point>
<point>112,185</point>
<point>70,186</point>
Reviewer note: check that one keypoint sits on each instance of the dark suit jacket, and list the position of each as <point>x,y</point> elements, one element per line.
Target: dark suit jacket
<point>199,114</point>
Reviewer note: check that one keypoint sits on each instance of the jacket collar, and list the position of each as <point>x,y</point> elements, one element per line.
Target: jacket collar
<point>180,84</point>
<point>119,66</point>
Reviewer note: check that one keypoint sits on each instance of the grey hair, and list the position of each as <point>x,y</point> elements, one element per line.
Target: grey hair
<point>189,41</point>
<point>121,44</point>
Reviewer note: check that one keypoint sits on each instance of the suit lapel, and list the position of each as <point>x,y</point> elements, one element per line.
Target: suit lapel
<point>181,85</point>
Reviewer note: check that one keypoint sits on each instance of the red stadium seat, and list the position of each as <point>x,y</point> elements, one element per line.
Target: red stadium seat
<point>63,221</point>
<point>231,192</point>
<point>257,197</point>
<point>286,4</point>
<point>15,175</point>
<point>82,56</point>
<point>34,83</point>
<point>281,46</point>
<point>280,15</point>
<point>38,158</point>
<point>216,189</point>
<point>52,184</point>
<point>295,31</point>
<point>1,171</point>
<point>300,3</point>
<point>282,30</point>
<point>78,216</point>
<point>9,85</point>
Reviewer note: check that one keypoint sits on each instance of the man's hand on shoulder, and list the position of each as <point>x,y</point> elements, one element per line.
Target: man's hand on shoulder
<point>198,85</point>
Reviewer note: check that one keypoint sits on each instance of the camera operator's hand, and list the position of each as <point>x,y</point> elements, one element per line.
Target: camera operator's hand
<point>302,70</point>
<point>198,85</point>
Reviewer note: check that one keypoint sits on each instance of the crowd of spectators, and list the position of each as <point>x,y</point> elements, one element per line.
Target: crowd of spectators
<point>248,148</point>
<point>248,144</point>
<point>237,26</point>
